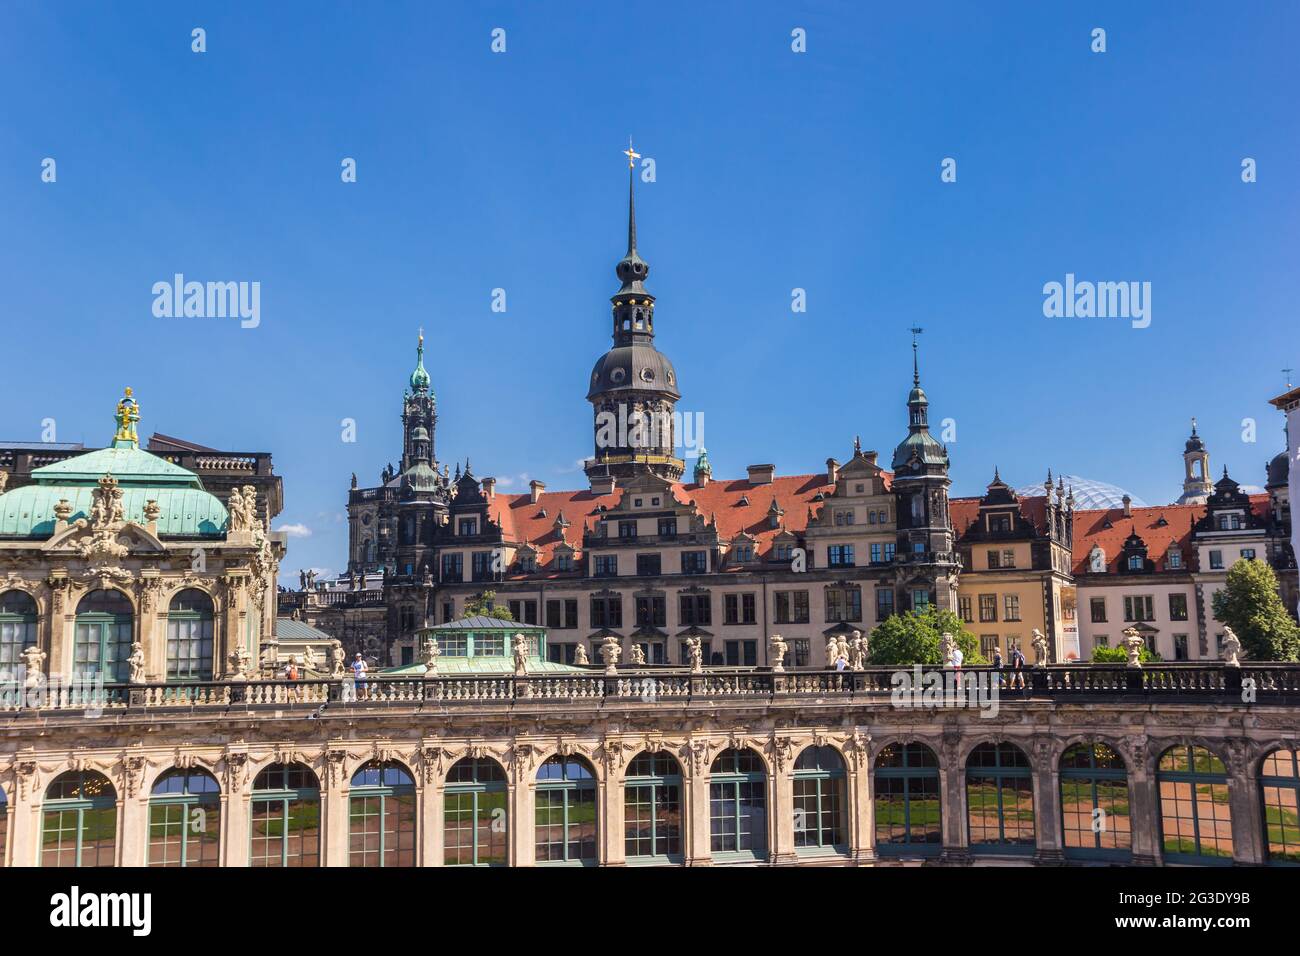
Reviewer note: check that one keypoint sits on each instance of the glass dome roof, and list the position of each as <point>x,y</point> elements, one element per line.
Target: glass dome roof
<point>1088,494</point>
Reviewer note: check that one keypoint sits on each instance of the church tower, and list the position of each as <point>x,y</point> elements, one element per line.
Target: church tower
<point>633,389</point>
<point>1196,471</point>
<point>419,416</point>
<point>926,559</point>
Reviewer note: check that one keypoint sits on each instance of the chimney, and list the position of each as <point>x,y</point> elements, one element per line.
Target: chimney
<point>489,488</point>
<point>602,484</point>
<point>832,470</point>
<point>761,474</point>
<point>1128,506</point>
<point>535,489</point>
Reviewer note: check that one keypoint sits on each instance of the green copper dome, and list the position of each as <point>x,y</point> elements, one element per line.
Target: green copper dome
<point>185,508</point>
<point>420,377</point>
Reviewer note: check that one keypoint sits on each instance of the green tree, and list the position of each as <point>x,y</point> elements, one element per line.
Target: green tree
<point>1250,605</point>
<point>914,638</point>
<point>483,605</point>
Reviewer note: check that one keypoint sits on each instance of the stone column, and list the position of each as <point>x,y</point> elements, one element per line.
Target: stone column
<point>236,817</point>
<point>952,784</point>
<point>861,809</point>
<point>523,847</point>
<point>780,813</point>
<point>132,829</point>
<point>431,810</point>
<point>25,815</point>
<point>1047,806</point>
<point>613,847</point>
<point>334,810</point>
<point>236,611</point>
<point>698,829</point>
<point>1247,815</point>
<point>1144,805</point>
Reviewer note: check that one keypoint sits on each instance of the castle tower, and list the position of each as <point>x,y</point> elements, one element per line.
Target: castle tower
<point>633,390</point>
<point>1196,471</point>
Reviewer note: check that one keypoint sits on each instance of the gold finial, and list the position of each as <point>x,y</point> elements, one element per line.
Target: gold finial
<point>422,335</point>
<point>128,413</point>
<point>631,155</point>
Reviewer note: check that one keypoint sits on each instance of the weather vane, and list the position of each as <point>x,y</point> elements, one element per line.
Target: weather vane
<point>1287,372</point>
<point>631,155</point>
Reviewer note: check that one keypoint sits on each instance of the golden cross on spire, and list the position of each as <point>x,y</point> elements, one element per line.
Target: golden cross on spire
<point>422,335</point>
<point>631,155</point>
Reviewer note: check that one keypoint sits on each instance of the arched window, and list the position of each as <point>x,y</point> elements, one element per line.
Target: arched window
<point>738,804</point>
<point>820,799</point>
<point>999,800</point>
<point>17,629</point>
<point>189,637</point>
<point>103,637</point>
<point>185,819</point>
<point>1095,803</point>
<point>908,811</point>
<point>566,811</point>
<point>381,811</point>
<point>1195,819</point>
<point>652,808</point>
<point>79,821</point>
<point>474,816</point>
<point>1279,791</point>
<point>286,816</point>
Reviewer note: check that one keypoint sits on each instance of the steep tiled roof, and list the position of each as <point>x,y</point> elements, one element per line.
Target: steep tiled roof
<point>737,505</point>
<point>1090,530</point>
<point>965,511</point>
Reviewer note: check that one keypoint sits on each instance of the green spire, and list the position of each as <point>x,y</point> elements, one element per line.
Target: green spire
<point>702,466</point>
<point>420,377</point>
<point>128,413</point>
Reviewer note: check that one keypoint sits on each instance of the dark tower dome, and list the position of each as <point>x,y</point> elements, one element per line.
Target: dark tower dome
<point>1279,470</point>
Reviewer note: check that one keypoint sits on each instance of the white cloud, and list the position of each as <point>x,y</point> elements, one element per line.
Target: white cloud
<point>295,530</point>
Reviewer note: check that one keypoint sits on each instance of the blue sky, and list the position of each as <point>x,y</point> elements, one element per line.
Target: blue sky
<point>774,171</point>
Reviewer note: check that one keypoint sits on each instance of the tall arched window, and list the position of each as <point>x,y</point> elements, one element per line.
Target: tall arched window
<point>189,637</point>
<point>1279,790</point>
<point>820,799</point>
<point>79,821</point>
<point>738,804</point>
<point>1195,818</point>
<point>907,801</point>
<point>103,637</point>
<point>566,811</point>
<point>652,808</point>
<point>474,816</point>
<point>185,819</point>
<point>1095,803</point>
<point>286,816</point>
<point>381,811</point>
<point>17,629</point>
<point>999,800</point>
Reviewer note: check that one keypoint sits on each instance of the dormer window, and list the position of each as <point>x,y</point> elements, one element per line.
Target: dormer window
<point>467,527</point>
<point>564,561</point>
<point>744,553</point>
<point>1175,559</point>
<point>1135,562</point>
<point>1097,561</point>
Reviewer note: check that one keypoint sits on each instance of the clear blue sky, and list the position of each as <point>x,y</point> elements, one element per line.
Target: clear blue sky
<point>775,170</point>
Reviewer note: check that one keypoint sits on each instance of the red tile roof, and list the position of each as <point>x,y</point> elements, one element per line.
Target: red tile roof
<point>1090,530</point>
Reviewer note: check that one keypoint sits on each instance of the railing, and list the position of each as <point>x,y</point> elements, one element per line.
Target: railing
<point>1193,683</point>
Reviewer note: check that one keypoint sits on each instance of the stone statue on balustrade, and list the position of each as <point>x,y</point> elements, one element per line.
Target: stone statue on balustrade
<point>610,652</point>
<point>1039,642</point>
<point>858,652</point>
<point>1230,649</point>
<point>777,648</point>
<point>520,651</point>
<point>34,665</point>
<point>637,655</point>
<point>336,660</point>
<point>1133,645</point>
<point>947,647</point>
<point>695,649</point>
<point>580,655</point>
<point>136,663</point>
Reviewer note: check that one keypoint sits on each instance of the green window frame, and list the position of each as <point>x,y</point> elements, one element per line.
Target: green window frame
<point>652,809</point>
<point>1093,778</point>
<point>185,819</point>
<point>189,636</point>
<point>566,812</point>
<point>1195,816</point>
<point>284,827</point>
<point>738,805</point>
<point>105,629</point>
<point>475,818</point>
<point>381,816</point>
<point>18,619</point>
<point>1279,794</point>
<point>908,810</point>
<point>820,801</point>
<point>79,821</point>
<point>999,800</point>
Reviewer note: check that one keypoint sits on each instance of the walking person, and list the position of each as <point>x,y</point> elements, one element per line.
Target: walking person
<point>359,669</point>
<point>997,663</point>
<point>1017,668</point>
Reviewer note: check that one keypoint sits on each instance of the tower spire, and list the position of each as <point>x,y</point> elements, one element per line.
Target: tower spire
<point>632,157</point>
<point>916,370</point>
